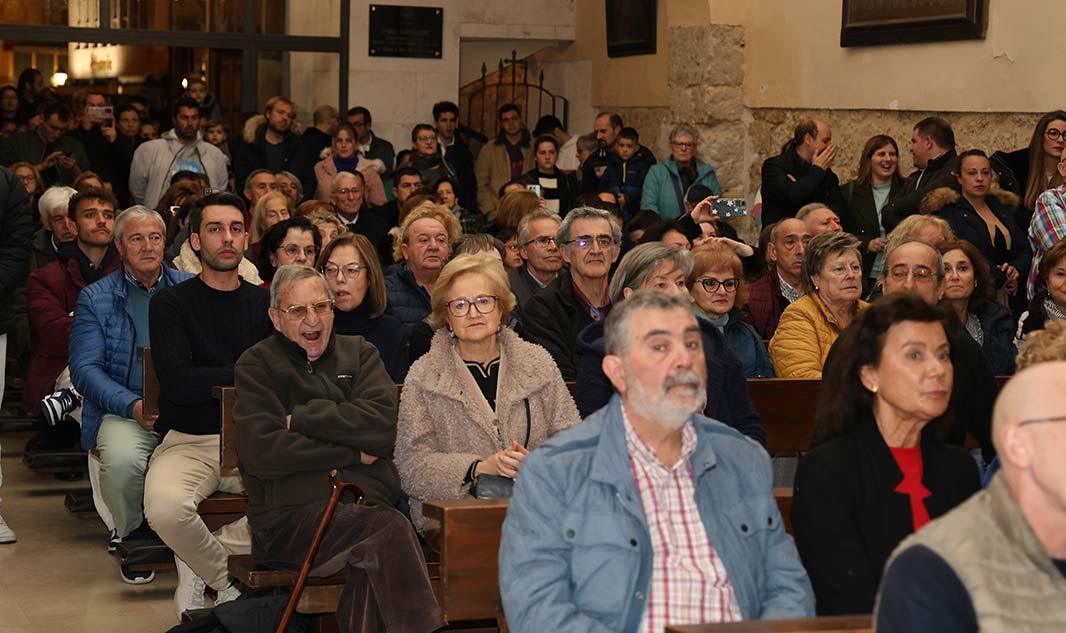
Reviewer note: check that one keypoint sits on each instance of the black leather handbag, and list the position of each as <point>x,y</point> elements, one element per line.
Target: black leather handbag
<point>498,486</point>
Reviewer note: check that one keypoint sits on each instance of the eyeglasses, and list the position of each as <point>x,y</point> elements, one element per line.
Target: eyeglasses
<point>348,192</point>
<point>683,145</point>
<point>585,241</point>
<point>27,178</point>
<point>426,139</point>
<point>484,304</point>
<point>541,242</point>
<point>351,270</point>
<point>1061,418</point>
<point>1054,134</point>
<point>900,272</point>
<point>299,313</point>
<point>292,250</point>
<point>710,284</point>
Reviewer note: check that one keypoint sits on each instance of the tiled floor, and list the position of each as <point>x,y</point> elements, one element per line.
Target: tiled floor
<point>58,577</point>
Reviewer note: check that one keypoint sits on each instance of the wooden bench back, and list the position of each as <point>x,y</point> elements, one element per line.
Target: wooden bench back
<point>786,407</point>
<point>149,386</point>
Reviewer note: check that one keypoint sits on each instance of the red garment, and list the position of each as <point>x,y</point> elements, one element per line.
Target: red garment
<point>765,304</point>
<point>909,461</point>
<point>689,582</point>
<point>51,293</point>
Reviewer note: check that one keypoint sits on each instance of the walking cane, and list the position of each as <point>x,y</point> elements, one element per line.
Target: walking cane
<point>338,488</point>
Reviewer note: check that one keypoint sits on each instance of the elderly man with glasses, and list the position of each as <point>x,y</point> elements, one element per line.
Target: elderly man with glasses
<point>541,259</point>
<point>311,402</point>
<point>589,241</point>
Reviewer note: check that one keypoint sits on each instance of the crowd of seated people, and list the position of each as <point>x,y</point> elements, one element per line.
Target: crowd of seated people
<point>318,272</point>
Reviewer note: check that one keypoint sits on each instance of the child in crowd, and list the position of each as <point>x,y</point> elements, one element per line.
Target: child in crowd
<point>626,169</point>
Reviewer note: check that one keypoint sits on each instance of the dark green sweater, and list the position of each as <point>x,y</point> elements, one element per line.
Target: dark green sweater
<point>342,404</point>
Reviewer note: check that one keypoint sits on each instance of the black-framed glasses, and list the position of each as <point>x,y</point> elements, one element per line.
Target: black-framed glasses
<point>541,242</point>
<point>585,241</point>
<point>1059,418</point>
<point>300,312</point>
<point>350,270</point>
<point>683,144</point>
<point>1054,134</point>
<point>710,284</point>
<point>484,304</point>
<point>292,250</point>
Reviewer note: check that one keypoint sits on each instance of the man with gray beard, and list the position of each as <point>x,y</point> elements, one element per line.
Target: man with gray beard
<point>648,514</point>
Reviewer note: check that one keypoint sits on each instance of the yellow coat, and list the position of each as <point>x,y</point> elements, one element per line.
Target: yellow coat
<point>803,337</point>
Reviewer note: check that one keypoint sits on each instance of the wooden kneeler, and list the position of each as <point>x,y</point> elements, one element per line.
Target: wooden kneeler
<point>338,489</point>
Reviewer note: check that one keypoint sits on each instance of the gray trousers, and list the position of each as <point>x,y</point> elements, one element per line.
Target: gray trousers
<point>124,447</point>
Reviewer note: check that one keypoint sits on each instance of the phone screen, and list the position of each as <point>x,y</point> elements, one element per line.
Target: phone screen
<point>534,188</point>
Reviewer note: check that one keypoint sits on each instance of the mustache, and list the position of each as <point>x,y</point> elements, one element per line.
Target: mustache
<point>686,378</point>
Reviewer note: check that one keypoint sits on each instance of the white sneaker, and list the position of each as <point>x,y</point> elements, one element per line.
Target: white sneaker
<point>227,594</point>
<point>190,591</point>
<point>7,535</point>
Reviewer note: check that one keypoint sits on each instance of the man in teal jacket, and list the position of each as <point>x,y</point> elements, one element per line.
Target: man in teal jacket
<point>647,498</point>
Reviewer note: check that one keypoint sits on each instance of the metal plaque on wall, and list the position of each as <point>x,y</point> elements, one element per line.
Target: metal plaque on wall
<point>397,31</point>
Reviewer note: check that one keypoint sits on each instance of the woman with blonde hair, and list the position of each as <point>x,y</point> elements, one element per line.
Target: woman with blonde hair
<point>272,208</point>
<point>328,224</point>
<point>514,206</point>
<point>481,398</point>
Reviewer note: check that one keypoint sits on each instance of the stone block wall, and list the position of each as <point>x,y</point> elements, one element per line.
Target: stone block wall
<point>706,79</point>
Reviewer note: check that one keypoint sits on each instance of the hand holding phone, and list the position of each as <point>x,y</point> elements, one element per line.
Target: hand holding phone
<point>535,189</point>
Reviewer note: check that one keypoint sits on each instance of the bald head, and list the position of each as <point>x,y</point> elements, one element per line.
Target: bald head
<point>1035,393</point>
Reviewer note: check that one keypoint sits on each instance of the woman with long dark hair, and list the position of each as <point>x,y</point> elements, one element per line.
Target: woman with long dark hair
<point>878,470</point>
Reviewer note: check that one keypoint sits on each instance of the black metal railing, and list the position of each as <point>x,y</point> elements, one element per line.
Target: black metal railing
<point>484,99</point>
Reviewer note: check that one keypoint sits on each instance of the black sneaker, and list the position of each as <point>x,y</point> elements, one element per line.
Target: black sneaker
<point>131,577</point>
<point>57,405</point>
<point>113,540</point>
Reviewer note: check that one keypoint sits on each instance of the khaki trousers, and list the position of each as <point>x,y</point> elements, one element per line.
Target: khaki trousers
<point>183,471</point>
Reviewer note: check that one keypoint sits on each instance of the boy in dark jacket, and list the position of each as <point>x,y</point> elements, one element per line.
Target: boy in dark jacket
<point>626,170</point>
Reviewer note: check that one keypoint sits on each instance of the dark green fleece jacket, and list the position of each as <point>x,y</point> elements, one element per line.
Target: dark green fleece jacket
<point>342,404</point>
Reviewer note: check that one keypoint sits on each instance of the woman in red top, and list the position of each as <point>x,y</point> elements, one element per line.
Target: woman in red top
<point>878,470</point>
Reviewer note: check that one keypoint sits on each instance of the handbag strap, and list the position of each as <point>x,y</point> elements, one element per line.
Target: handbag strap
<point>529,423</point>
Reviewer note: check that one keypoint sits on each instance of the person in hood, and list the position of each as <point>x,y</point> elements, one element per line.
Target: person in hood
<point>179,149</point>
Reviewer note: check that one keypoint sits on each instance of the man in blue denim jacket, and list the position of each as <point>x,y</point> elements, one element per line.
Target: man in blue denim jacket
<point>648,514</point>
<point>110,324</point>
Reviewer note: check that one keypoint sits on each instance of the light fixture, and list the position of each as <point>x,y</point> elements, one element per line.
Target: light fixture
<point>59,78</point>
<point>185,83</point>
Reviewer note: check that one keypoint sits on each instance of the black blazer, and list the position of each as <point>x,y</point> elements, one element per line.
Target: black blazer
<point>847,517</point>
<point>860,217</point>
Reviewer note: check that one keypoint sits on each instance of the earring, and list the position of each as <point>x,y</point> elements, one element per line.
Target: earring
<point>873,389</point>
<point>975,283</point>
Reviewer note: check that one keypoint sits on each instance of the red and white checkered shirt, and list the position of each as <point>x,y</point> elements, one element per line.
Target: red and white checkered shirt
<point>689,583</point>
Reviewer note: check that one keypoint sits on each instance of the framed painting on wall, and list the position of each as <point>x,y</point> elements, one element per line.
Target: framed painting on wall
<point>879,22</point>
<point>631,27</point>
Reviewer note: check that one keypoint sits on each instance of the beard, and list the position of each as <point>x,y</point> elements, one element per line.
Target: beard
<point>210,261</point>
<point>660,409</point>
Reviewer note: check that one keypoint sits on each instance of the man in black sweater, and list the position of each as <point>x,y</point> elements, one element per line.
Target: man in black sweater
<point>198,330</point>
<point>933,150</point>
<point>802,173</point>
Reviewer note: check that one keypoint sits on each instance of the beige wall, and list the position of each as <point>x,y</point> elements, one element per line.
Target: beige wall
<point>793,59</point>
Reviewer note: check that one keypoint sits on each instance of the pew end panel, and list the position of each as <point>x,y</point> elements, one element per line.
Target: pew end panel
<point>825,624</point>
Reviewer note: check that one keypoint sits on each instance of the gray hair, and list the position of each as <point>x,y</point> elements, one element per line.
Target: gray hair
<point>588,142</point>
<point>639,264</point>
<point>137,212</point>
<point>290,274</point>
<point>810,208</point>
<point>341,175</point>
<point>296,181</point>
<point>821,248</point>
<point>562,236</point>
<point>684,129</point>
<point>892,246</point>
<point>537,214</point>
<point>616,327</point>
<point>54,197</point>
<point>251,176</point>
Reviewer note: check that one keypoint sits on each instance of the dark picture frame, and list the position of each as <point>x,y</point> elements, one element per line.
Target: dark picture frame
<point>881,22</point>
<point>631,27</point>
<point>405,31</point>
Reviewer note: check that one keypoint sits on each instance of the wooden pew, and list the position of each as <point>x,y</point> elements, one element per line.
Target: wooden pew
<point>826,624</point>
<point>467,534</point>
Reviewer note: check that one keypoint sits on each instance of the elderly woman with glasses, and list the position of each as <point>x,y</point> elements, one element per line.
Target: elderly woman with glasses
<point>292,241</point>
<point>353,272</point>
<point>481,398</point>
<point>832,281</point>
<point>718,288</point>
<point>666,184</point>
